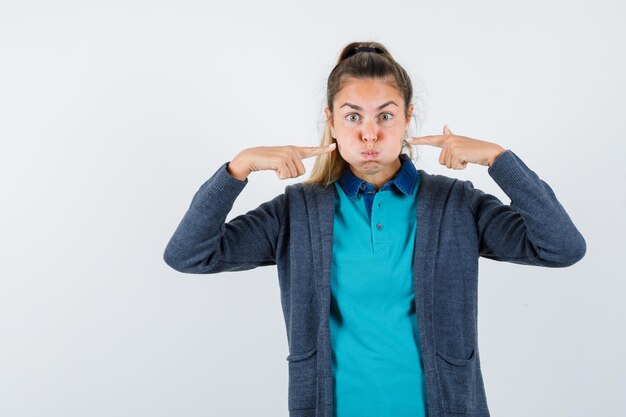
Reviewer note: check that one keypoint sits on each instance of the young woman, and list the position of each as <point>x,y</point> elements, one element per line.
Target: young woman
<point>377,261</point>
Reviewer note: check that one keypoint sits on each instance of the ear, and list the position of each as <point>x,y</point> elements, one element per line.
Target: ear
<point>329,119</point>
<point>408,117</point>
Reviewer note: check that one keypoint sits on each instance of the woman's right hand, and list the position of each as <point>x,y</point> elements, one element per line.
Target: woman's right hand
<point>285,160</point>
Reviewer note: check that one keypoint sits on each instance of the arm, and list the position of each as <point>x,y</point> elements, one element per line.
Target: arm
<point>534,230</point>
<point>203,243</point>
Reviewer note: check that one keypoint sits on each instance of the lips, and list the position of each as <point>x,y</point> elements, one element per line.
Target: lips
<point>369,154</point>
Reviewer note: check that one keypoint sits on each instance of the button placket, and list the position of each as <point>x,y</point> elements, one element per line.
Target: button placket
<point>379,219</point>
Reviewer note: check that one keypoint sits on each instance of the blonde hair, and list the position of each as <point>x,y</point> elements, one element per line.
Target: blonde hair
<point>352,63</point>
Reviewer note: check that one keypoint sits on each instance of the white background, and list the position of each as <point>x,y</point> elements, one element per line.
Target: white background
<point>112,114</point>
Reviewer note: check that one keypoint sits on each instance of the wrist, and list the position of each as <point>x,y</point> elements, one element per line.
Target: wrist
<point>238,168</point>
<point>499,151</point>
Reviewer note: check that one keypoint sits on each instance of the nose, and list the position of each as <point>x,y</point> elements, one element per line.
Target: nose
<point>369,131</point>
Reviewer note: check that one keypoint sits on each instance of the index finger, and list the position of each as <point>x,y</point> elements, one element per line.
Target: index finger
<point>309,151</point>
<point>435,140</point>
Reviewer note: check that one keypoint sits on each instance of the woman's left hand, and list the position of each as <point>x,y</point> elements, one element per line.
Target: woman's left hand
<point>457,150</point>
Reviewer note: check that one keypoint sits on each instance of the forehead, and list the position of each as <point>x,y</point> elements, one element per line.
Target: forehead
<point>367,92</point>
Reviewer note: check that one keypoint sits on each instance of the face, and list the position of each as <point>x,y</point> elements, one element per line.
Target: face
<point>369,124</point>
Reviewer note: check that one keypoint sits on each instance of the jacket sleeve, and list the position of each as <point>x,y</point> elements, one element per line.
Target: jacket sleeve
<point>534,229</point>
<point>204,244</point>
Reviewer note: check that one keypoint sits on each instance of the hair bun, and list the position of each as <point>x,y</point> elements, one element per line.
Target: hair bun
<point>358,49</point>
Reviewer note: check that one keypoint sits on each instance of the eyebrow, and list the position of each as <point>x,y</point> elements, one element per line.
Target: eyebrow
<point>354,106</point>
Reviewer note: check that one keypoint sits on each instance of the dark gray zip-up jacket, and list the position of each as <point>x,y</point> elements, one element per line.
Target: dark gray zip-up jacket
<point>456,224</point>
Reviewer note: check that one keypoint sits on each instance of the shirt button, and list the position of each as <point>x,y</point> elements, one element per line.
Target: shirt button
<point>362,186</point>
<point>379,226</point>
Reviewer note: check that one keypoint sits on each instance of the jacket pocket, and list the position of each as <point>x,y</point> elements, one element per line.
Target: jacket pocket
<point>458,382</point>
<point>302,380</point>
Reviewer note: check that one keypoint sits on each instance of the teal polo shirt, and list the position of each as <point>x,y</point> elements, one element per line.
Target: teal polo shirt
<point>376,357</point>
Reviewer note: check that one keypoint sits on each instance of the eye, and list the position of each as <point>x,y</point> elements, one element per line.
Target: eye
<point>356,115</point>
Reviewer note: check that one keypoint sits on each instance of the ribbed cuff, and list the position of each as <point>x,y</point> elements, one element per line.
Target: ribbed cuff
<point>508,169</point>
<point>221,186</point>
